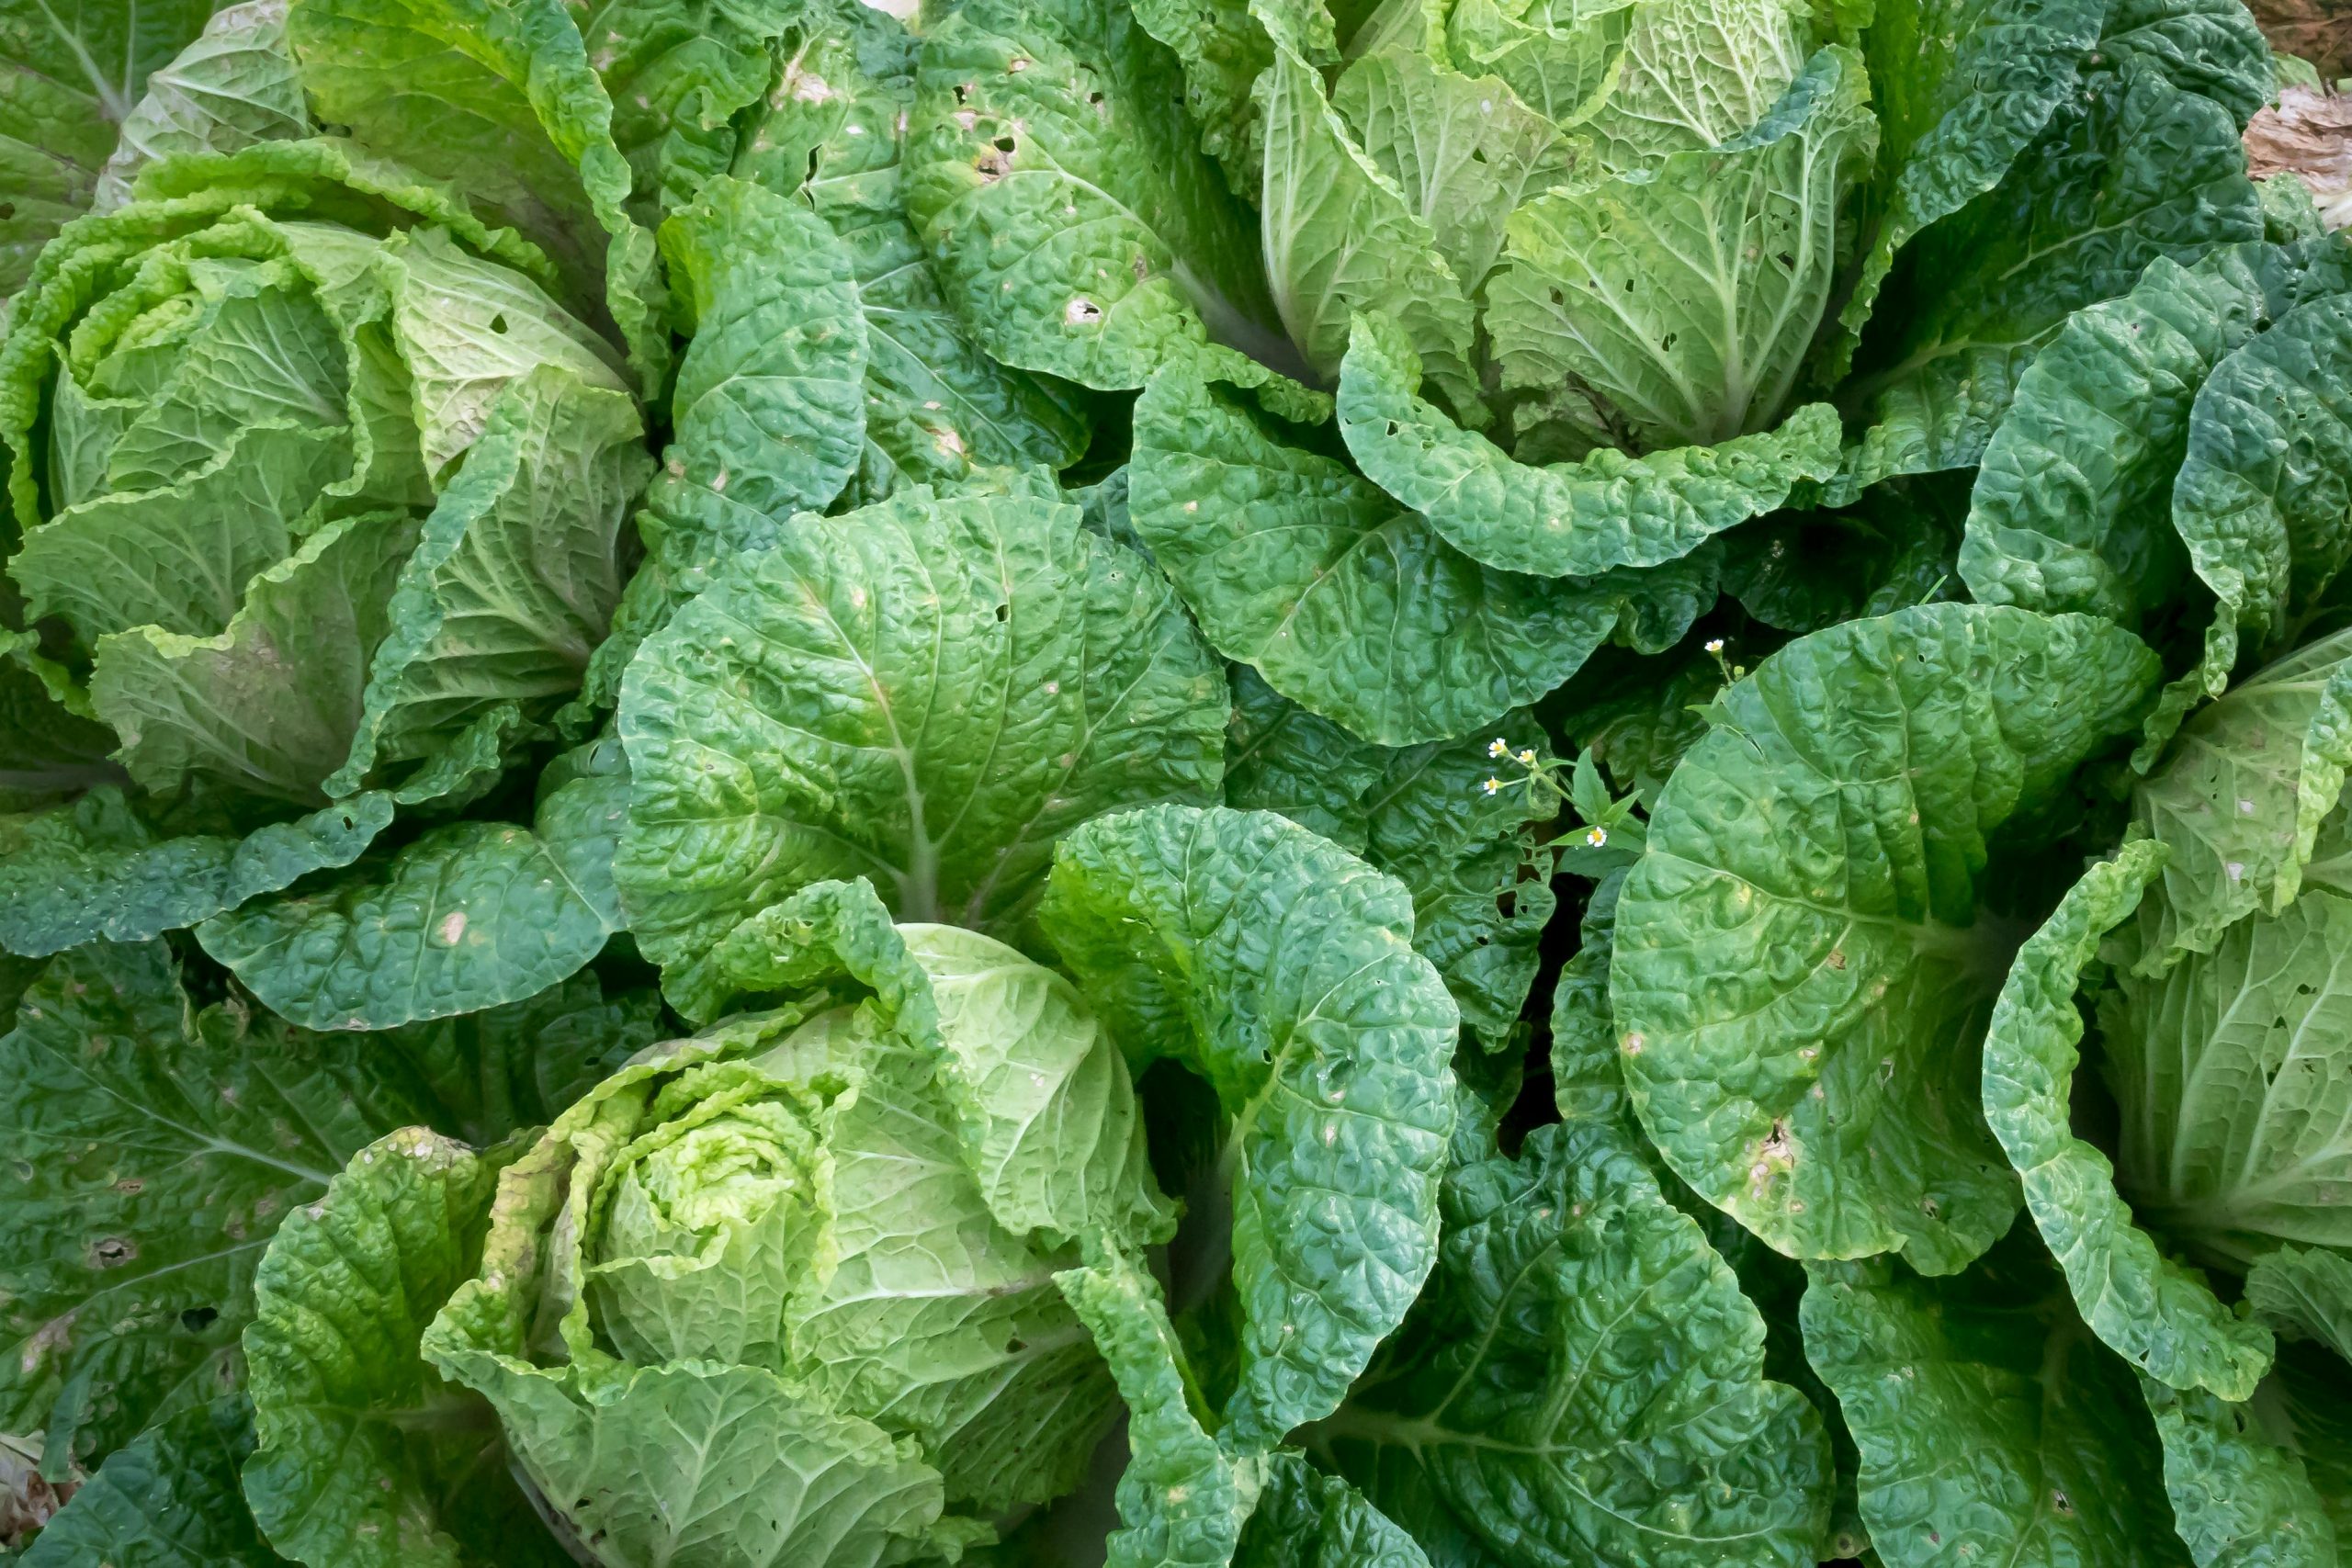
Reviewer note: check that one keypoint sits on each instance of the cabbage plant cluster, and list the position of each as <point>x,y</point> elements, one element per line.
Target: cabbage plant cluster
<point>1246,784</point>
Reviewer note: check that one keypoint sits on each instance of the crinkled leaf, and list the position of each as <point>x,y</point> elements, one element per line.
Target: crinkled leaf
<point>1183,1499</point>
<point>1279,967</point>
<point>1481,886</point>
<point>2208,46</point>
<point>679,74</point>
<point>1961,88</point>
<point>1810,945</point>
<point>1308,1519</point>
<point>1992,1427</point>
<point>1583,1380</point>
<point>95,870</point>
<point>1343,601</point>
<point>2264,496</point>
<point>1282,757</point>
<point>928,692</point>
<point>937,407</point>
<point>1101,244</point>
<point>2240,1492</point>
<point>1577,519</point>
<point>2129,168</point>
<point>2072,506</point>
<point>470,916</point>
<point>769,405</point>
<point>364,1458</point>
<point>2157,1313</point>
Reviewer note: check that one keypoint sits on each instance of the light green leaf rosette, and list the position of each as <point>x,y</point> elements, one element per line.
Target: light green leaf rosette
<point>319,492</point>
<point>801,1268</point>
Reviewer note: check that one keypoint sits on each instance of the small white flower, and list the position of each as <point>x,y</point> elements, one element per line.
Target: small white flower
<point>1714,645</point>
<point>1596,837</point>
<point>1528,757</point>
<point>1498,747</point>
<point>1491,785</point>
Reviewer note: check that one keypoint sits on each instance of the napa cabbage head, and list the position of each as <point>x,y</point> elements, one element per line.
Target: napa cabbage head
<point>818,1240</point>
<point>315,514</point>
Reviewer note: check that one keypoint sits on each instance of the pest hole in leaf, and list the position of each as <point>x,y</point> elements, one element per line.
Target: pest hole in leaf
<point>112,1251</point>
<point>7,209</point>
<point>1094,100</point>
<point>1788,261</point>
<point>196,1320</point>
<point>1003,613</point>
<point>498,322</point>
<point>1014,1346</point>
<point>1507,904</point>
<point>963,92</point>
<point>1477,154</point>
<point>1005,145</point>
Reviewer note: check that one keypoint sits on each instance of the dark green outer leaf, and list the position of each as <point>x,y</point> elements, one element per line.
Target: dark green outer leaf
<point>170,1498</point>
<point>93,871</point>
<point>2158,1314</point>
<point>1280,968</point>
<point>1993,1428</point>
<point>2130,169</point>
<point>1583,1382</point>
<point>1959,88</point>
<point>1805,958</point>
<point>2239,1495</point>
<point>472,914</point>
<point>1345,602</point>
<point>157,1149</point>
<point>1481,888</point>
<point>2264,496</point>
